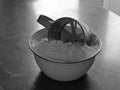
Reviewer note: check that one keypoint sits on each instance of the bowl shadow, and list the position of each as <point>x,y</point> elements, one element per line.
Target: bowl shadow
<point>45,83</point>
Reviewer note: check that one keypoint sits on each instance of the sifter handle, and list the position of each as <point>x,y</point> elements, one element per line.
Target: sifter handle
<point>45,21</point>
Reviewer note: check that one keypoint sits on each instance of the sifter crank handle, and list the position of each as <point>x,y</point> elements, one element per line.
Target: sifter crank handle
<point>45,21</point>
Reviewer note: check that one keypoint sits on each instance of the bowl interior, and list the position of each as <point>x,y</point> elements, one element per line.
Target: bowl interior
<point>37,36</point>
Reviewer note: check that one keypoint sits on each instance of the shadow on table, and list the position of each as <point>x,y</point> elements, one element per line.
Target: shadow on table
<point>45,83</point>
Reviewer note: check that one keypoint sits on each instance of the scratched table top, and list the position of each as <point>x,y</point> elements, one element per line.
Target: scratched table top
<point>18,69</point>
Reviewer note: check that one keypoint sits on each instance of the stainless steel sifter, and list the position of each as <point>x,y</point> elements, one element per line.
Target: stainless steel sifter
<point>66,29</point>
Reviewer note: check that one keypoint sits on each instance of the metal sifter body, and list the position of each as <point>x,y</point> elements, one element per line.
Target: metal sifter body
<point>66,29</point>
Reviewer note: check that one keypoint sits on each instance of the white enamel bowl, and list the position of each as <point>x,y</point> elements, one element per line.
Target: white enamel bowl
<point>61,70</point>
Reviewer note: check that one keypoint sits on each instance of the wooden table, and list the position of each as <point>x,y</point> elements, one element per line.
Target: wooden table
<point>18,69</point>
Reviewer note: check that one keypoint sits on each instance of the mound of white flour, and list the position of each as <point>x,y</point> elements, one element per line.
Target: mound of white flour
<point>57,50</point>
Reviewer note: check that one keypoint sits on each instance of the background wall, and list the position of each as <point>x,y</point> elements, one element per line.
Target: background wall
<point>95,2</point>
<point>113,5</point>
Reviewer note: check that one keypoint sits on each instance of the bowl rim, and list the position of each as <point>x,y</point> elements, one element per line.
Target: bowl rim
<point>60,61</point>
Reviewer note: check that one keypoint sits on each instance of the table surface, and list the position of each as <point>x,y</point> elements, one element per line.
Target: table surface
<point>18,69</point>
